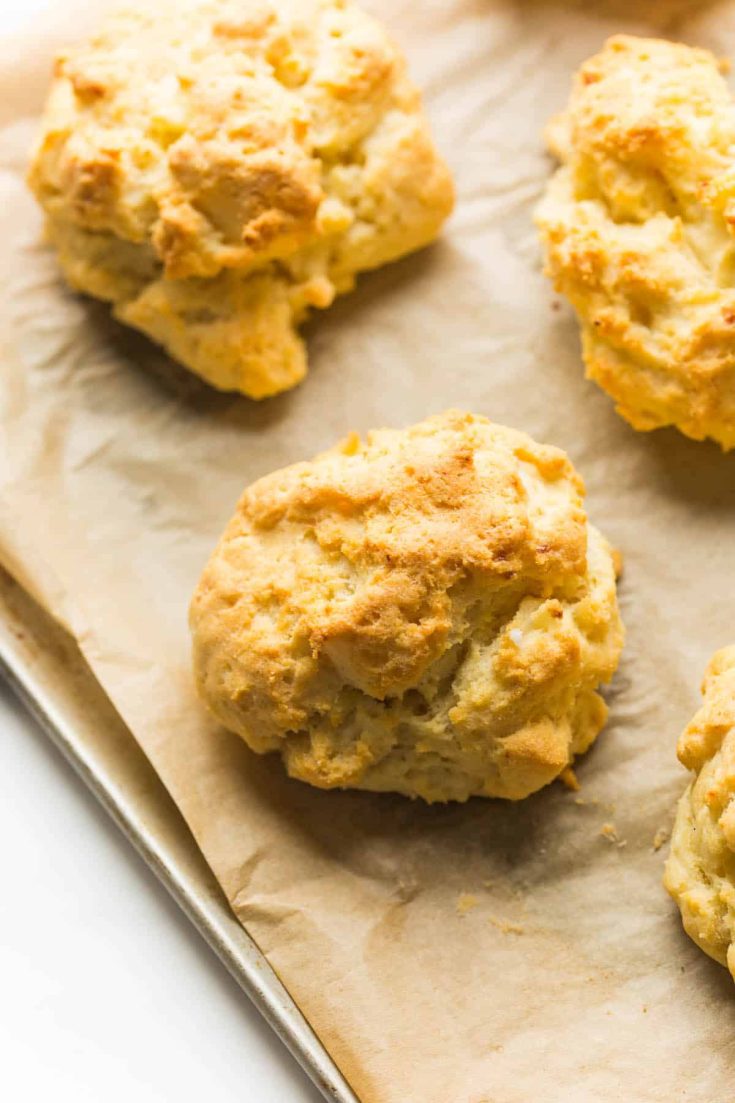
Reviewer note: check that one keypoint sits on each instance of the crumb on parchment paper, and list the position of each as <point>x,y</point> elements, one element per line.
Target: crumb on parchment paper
<point>617,558</point>
<point>505,925</point>
<point>593,802</point>
<point>466,902</point>
<point>569,778</point>
<point>515,898</point>
<point>661,837</point>
<point>610,832</point>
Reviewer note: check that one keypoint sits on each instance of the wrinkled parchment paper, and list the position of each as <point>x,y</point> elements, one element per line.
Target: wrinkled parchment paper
<point>486,953</point>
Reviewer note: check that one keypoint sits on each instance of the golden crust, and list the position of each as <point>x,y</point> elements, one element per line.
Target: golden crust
<point>700,871</point>
<point>426,611</point>
<point>216,168</point>
<point>638,230</point>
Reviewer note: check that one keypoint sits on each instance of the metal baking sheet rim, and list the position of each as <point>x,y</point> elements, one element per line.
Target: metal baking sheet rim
<point>43,666</point>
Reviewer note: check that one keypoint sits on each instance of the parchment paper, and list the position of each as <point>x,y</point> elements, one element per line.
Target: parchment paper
<point>486,953</point>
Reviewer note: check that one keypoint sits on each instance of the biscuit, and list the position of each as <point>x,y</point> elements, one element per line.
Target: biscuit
<point>700,871</point>
<point>638,228</point>
<point>217,168</point>
<point>426,611</point>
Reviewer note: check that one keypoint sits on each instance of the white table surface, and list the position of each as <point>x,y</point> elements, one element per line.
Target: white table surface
<point>108,993</point>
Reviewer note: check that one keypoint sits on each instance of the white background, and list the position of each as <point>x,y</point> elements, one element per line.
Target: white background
<point>108,993</point>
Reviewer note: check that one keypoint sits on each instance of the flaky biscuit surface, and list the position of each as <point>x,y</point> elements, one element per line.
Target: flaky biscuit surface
<point>637,226</point>
<point>216,168</point>
<point>426,611</point>
<point>700,871</point>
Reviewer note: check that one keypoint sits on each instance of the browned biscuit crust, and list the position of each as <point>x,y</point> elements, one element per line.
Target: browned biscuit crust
<point>637,226</point>
<point>426,611</point>
<point>216,168</point>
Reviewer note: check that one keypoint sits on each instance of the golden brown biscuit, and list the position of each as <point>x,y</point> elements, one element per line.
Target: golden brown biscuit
<point>638,230</point>
<point>216,168</point>
<point>700,871</point>
<point>426,611</point>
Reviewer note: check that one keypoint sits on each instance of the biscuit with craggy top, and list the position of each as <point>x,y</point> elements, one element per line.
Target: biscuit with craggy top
<point>426,611</point>
<point>638,227</point>
<point>700,871</point>
<point>216,168</point>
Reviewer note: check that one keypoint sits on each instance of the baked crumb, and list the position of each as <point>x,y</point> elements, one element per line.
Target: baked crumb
<point>466,902</point>
<point>617,558</point>
<point>505,925</point>
<point>610,832</point>
<point>570,779</point>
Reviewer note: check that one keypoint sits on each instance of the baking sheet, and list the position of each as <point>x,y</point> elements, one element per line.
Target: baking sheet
<point>478,953</point>
<point>41,662</point>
